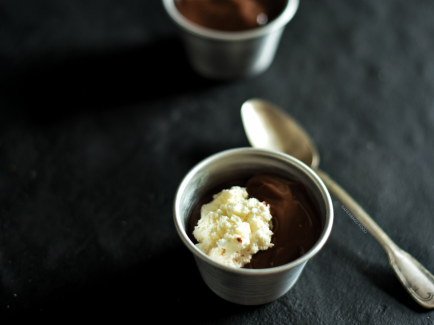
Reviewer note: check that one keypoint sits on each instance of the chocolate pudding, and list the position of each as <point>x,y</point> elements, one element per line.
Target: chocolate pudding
<point>296,219</point>
<point>230,15</point>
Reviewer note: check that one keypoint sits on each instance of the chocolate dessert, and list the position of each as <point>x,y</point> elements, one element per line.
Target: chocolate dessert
<point>296,219</point>
<point>230,15</point>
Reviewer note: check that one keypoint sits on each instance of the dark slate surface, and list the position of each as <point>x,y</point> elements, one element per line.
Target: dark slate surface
<point>101,117</point>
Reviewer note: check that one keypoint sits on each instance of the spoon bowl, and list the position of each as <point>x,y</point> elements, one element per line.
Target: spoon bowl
<point>260,116</point>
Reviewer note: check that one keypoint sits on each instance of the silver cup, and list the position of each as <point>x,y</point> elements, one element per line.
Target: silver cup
<point>248,286</point>
<point>225,55</point>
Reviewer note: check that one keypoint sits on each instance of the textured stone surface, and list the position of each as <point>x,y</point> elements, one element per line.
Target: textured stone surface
<point>101,117</point>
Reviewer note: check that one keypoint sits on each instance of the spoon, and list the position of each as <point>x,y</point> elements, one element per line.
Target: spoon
<point>270,128</point>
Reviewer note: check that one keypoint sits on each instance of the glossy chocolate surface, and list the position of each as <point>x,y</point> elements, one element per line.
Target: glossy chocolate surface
<point>296,219</point>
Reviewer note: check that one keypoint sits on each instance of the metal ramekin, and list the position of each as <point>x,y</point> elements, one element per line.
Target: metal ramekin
<point>248,286</point>
<point>225,55</point>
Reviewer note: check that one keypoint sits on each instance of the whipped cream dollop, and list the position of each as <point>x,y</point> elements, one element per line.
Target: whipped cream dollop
<point>233,227</point>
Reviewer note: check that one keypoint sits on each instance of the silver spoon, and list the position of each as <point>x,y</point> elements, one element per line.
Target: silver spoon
<point>270,128</point>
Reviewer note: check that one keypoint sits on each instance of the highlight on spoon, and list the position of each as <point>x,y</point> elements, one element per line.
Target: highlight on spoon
<point>254,126</point>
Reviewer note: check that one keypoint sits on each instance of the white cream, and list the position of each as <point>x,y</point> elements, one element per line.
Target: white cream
<point>232,227</point>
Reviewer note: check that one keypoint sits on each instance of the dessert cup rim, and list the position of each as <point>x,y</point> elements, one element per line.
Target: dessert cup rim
<point>327,227</point>
<point>186,24</point>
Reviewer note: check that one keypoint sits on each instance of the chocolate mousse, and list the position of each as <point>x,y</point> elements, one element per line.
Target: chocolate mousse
<point>230,15</point>
<point>296,219</point>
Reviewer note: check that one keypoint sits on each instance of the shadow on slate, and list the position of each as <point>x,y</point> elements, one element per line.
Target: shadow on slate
<point>201,150</point>
<point>165,286</point>
<point>387,281</point>
<point>54,88</point>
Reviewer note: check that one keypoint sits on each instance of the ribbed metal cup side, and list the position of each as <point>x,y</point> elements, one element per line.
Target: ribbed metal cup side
<point>247,289</point>
<point>220,59</point>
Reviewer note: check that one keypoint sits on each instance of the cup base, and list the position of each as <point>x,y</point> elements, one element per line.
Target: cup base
<point>217,59</point>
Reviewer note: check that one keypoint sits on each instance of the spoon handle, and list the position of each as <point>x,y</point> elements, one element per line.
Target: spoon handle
<point>415,278</point>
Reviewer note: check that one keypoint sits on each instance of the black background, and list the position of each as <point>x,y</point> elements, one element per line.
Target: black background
<point>102,116</point>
